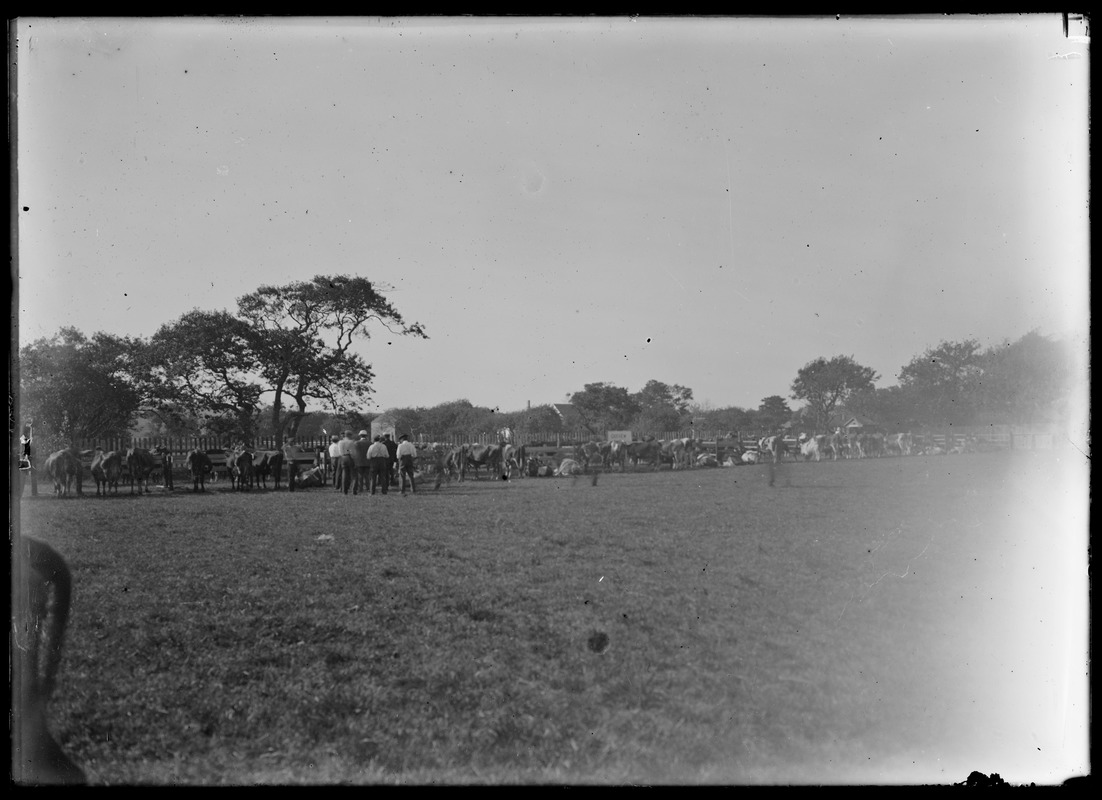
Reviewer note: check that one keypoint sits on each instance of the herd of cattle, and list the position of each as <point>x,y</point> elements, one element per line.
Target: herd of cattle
<point>247,468</point>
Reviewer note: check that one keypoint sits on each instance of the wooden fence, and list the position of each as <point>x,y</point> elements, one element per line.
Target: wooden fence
<point>1021,437</point>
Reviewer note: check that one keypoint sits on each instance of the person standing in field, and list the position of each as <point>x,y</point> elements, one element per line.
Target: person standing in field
<point>774,458</point>
<point>392,459</point>
<point>363,464</point>
<point>335,459</point>
<point>407,455</point>
<point>380,460</point>
<point>348,465</point>
<point>292,465</point>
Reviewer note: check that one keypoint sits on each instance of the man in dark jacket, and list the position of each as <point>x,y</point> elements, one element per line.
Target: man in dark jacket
<point>392,460</point>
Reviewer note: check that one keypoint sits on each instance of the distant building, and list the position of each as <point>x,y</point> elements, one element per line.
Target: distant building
<point>856,423</point>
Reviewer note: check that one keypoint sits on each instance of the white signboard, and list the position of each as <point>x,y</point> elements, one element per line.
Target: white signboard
<point>620,436</point>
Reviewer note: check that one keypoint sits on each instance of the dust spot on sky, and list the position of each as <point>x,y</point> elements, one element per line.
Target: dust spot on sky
<point>532,179</point>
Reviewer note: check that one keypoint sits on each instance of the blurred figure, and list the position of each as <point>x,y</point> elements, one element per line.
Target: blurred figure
<point>43,612</point>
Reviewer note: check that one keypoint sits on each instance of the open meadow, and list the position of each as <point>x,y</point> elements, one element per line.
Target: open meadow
<point>894,620</point>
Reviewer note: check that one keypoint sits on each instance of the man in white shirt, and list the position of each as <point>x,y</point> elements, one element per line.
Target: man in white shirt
<point>379,458</point>
<point>335,459</point>
<point>348,464</point>
<point>407,457</point>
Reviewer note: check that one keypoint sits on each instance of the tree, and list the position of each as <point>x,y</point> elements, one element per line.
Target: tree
<point>1025,381</point>
<point>773,413</point>
<point>943,382</point>
<point>663,407</point>
<point>292,342</point>
<point>604,407</point>
<point>73,387</point>
<point>301,336</point>
<point>725,420</point>
<point>539,419</point>
<point>203,365</point>
<point>824,384</point>
<point>458,417</point>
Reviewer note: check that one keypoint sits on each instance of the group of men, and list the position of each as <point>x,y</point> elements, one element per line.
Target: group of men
<point>362,464</point>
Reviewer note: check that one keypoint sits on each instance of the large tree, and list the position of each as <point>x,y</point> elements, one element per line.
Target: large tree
<point>203,365</point>
<point>605,407</point>
<point>942,383</point>
<point>302,335</point>
<point>72,387</point>
<point>291,342</point>
<point>823,384</point>
<point>1029,380</point>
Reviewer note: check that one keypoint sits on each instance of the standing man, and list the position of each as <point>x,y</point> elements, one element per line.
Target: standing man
<point>774,456</point>
<point>292,465</point>
<point>392,459</point>
<point>380,460</point>
<point>363,465</point>
<point>407,455</point>
<point>335,459</point>
<point>166,467</point>
<point>348,465</point>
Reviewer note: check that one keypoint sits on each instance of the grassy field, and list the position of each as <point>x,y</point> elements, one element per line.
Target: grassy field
<point>889,620</point>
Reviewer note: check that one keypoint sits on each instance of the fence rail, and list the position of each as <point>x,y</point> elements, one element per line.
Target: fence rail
<point>1007,436</point>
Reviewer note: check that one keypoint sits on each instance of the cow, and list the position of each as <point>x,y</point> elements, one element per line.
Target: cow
<point>872,444</point>
<point>706,460</point>
<point>900,443</point>
<point>514,457</point>
<point>617,454</point>
<point>106,470</point>
<point>39,622</point>
<point>199,466</point>
<point>815,447</point>
<point>140,463</point>
<point>569,467</point>
<point>240,463</point>
<point>163,458</point>
<point>267,463</point>
<point>649,451</point>
<point>773,448</point>
<point>445,461</point>
<point>474,456</point>
<point>587,454</point>
<point>65,468</point>
<point>679,452</point>
<point>838,448</point>
<point>605,450</point>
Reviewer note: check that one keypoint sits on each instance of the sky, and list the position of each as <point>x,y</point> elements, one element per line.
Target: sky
<point>706,202</point>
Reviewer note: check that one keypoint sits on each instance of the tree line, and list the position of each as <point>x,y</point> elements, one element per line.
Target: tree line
<point>283,363</point>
